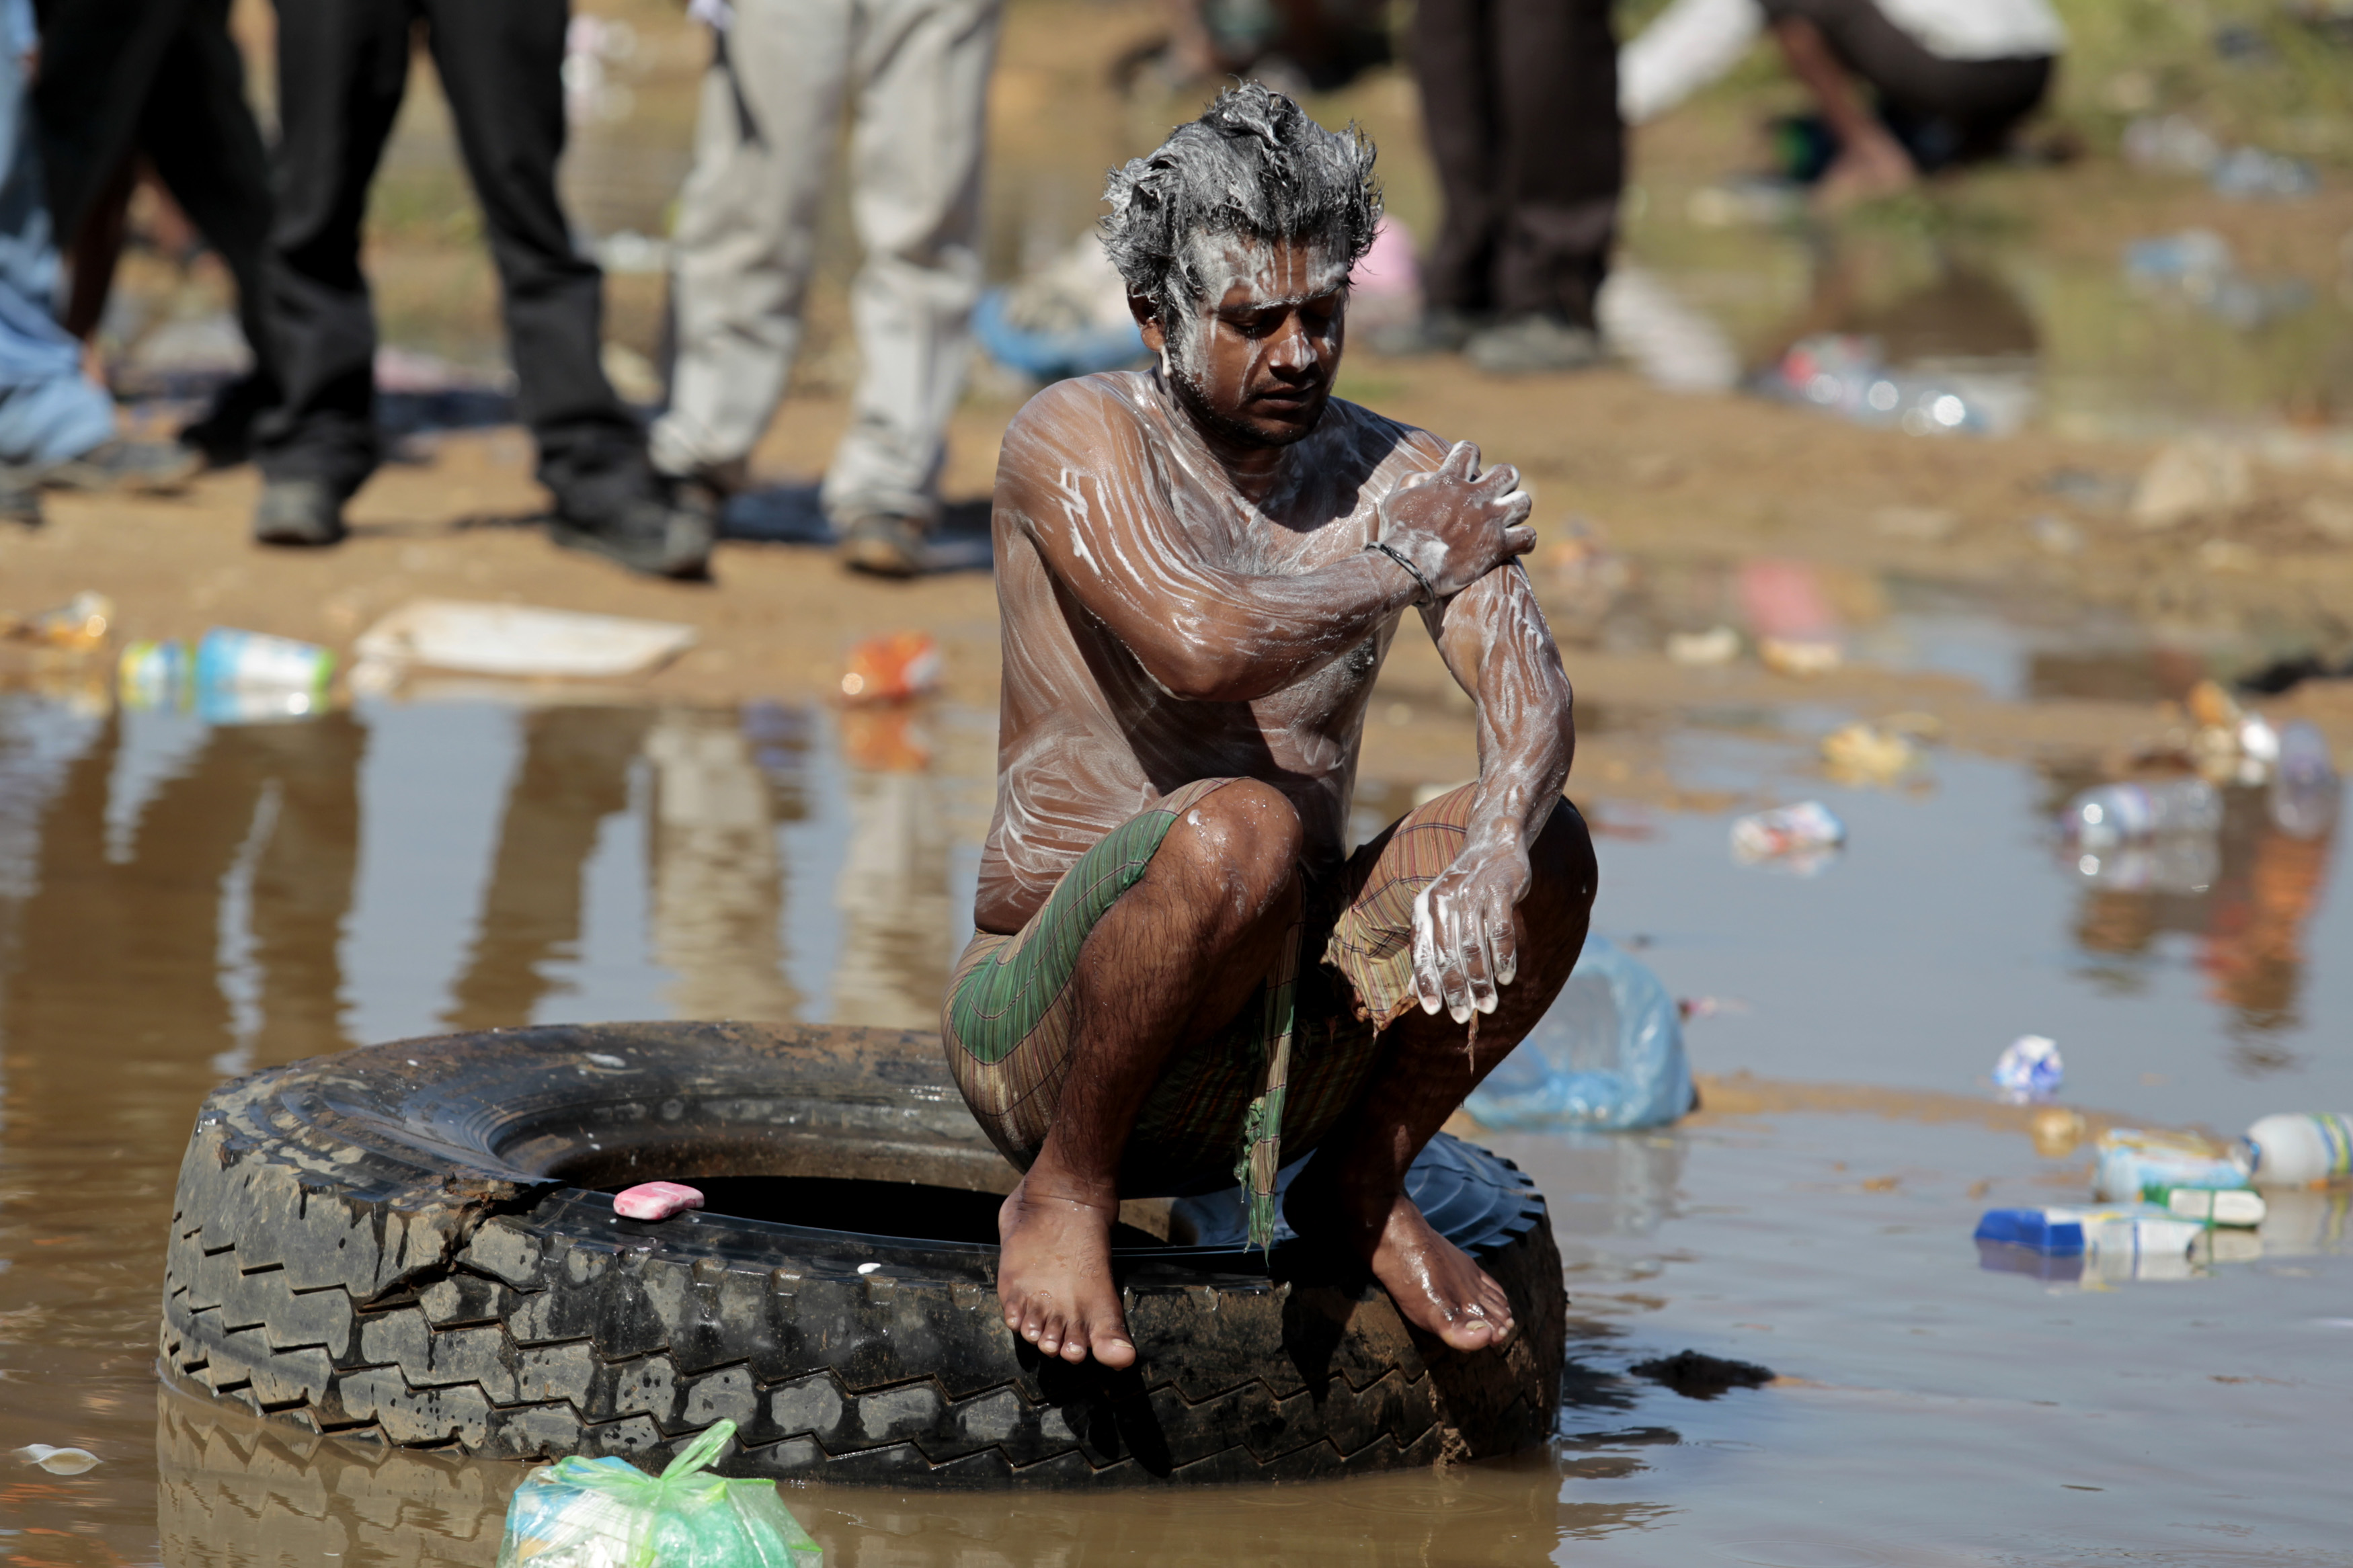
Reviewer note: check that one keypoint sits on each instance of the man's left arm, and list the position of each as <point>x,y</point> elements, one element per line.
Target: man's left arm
<point>1494,639</point>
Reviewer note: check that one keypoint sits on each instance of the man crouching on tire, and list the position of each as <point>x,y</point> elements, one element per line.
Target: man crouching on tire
<point>1181,976</point>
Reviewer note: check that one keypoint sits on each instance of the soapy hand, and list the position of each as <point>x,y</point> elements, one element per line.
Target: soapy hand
<point>1456,524</point>
<point>1464,945</point>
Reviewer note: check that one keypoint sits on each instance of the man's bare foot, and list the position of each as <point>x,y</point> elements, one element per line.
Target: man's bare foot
<point>1869,169</point>
<point>1434,1283</point>
<point>1053,1276</point>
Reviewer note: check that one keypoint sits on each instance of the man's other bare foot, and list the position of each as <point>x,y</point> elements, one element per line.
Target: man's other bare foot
<point>1872,168</point>
<point>1053,1276</point>
<point>1434,1283</point>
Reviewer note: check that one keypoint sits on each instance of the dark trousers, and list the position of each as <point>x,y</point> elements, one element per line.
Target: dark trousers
<point>342,66</point>
<point>1945,111</point>
<point>1520,100</point>
<point>162,77</point>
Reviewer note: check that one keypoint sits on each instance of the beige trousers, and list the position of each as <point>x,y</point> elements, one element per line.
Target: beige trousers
<point>914,75</point>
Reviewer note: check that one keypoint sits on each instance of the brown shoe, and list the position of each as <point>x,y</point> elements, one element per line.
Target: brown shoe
<point>884,544</point>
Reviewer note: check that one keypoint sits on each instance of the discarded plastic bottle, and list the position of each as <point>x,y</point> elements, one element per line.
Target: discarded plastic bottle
<point>2136,1229</point>
<point>2121,813</point>
<point>1609,1054</point>
<point>2305,790</point>
<point>2295,1150</point>
<point>2134,1166</point>
<point>251,677</point>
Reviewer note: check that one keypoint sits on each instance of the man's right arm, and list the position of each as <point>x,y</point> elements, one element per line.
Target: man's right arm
<point>1076,473</point>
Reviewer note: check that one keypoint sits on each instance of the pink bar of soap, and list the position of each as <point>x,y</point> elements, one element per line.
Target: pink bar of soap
<point>655,1200</point>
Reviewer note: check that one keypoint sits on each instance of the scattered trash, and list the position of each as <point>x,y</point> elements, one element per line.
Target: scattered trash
<point>2251,174</point>
<point>2190,478</point>
<point>1848,376</point>
<point>891,669</point>
<point>2130,1231</point>
<point>78,624</point>
<point>1697,1375</point>
<point>1802,657</point>
<point>2299,1150</point>
<point>1862,754</point>
<point>2180,863</point>
<point>1802,837</point>
<point>2119,813</point>
<point>518,640</point>
<point>2029,1069</point>
<point>2239,1209</point>
<point>2197,265</point>
<point>230,678</point>
<point>607,1513</point>
<point>1717,644</point>
<point>2178,144</point>
<point>58,1461</point>
<point>1691,1007</point>
<point>655,1200</point>
<point>1070,317</point>
<point>2305,790</point>
<point>2173,142</point>
<point>2134,1166</point>
<point>1608,1054</point>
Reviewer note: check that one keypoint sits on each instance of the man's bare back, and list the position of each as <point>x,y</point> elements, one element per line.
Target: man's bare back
<point>1200,569</point>
<point>1088,732</point>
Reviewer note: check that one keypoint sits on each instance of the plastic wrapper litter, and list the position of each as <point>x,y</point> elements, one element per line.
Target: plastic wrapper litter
<point>608,1513</point>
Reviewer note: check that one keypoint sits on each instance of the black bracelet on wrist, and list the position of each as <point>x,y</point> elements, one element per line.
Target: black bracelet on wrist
<point>1429,594</point>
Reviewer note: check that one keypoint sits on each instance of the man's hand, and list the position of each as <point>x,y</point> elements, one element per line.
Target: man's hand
<point>1456,524</point>
<point>1463,946</point>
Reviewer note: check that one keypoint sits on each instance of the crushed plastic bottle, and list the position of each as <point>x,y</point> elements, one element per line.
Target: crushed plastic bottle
<point>2119,813</point>
<point>79,624</point>
<point>1803,836</point>
<point>1608,1054</point>
<point>2305,790</point>
<point>2299,1150</point>
<point>2029,1069</point>
<point>608,1513</point>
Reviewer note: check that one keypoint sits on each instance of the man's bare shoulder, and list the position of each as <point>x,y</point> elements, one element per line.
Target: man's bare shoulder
<point>1389,445</point>
<point>1080,410</point>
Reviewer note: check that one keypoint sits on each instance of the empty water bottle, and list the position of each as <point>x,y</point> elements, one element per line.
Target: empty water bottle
<point>2122,813</point>
<point>1608,1055</point>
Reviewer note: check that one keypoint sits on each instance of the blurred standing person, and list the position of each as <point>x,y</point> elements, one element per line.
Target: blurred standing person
<point>917,74</point>
<point>342,67</point>
<point>1519,100</point>
<point>162,79</point>
<point>57,426</point>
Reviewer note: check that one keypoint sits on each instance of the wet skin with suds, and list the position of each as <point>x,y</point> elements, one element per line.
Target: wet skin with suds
<point>1187,593</point>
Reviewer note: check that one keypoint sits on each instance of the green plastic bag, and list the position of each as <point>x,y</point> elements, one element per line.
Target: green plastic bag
<point>608,1513</point>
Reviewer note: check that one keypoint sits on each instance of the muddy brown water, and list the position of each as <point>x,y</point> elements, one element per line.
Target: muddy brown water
<point>181,901</point>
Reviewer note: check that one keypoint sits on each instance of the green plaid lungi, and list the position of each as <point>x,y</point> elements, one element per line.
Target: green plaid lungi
<point>1268,1086</point>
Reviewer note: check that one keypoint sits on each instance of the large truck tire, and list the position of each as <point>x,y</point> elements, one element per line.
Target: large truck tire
<point>414,1244</point>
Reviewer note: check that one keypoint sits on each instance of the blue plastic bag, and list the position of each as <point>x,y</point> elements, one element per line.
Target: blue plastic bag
<point>1608,1055</point>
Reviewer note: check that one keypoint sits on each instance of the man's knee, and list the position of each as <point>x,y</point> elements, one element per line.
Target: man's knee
<point>1562,864</point>
<point>1243,838</point>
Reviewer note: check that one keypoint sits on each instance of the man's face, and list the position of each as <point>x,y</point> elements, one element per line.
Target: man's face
<point>1256,359</point>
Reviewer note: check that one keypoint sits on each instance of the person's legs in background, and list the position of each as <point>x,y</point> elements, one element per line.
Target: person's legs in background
<point>342,66</point>
<point>57,426</point>
<point>916,165</point>
<point>746,235</point>
<point>1452,67</point>
<point>199,133</point>
<point>1560,166</point>
<point>502,68</point>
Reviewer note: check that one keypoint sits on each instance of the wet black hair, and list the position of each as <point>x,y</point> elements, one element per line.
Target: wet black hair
<point>1254,165</point>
